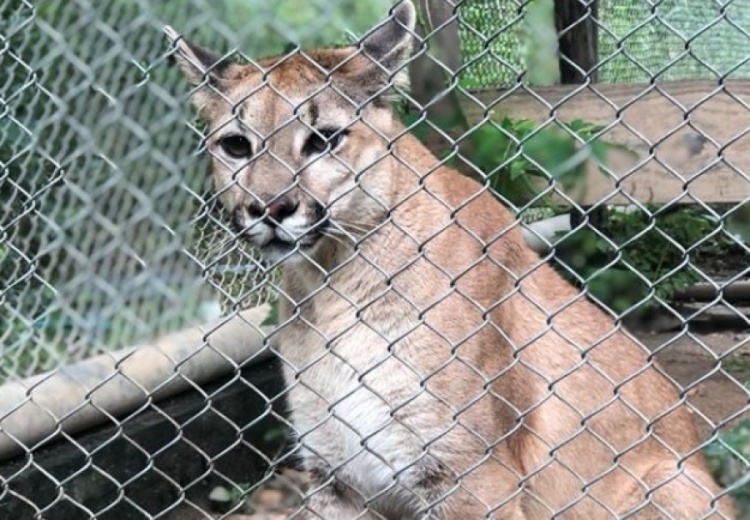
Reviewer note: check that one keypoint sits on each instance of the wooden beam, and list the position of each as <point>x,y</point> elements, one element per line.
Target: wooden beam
<point>188,439</point>
<point>691,138</point>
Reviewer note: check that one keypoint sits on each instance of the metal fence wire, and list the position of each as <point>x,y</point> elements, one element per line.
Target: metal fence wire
<point>453,259</point>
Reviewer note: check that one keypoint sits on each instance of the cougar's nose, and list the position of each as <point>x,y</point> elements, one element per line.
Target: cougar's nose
<point>278,210</point>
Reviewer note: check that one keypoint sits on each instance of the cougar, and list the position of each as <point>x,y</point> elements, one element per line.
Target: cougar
<point>435,366</point>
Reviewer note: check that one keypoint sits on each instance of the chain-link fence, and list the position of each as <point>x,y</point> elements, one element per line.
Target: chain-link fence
<point>483,258</point>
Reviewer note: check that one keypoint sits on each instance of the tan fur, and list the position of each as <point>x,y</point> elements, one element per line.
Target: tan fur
<point>435,365</point>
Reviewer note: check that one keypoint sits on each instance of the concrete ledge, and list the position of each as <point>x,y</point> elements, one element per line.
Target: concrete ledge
<point>137,465</point>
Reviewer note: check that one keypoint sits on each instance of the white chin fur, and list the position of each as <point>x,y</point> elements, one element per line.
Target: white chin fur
<point>276,256</point>
<point>291,230</point>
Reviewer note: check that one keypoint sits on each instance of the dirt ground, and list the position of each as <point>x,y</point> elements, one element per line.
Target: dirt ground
<point>715,392</point>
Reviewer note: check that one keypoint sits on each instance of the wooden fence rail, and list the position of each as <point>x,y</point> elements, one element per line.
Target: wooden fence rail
<point>691,138</point>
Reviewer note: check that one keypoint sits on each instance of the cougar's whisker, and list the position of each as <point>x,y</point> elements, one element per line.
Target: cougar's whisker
<point>354,227</point>
<point>336,238</point>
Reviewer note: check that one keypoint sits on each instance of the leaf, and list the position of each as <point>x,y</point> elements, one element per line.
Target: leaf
<point>518,127</point>
<point>556,155</point>
<point>599,151</point>
<point>549,149</point>
<point>518,168</point>
<point>738,223</point>
<point>577,125</point>
<point>617,287</point>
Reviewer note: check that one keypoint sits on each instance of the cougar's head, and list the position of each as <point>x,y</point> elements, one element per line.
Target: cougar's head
<point>299,144</point>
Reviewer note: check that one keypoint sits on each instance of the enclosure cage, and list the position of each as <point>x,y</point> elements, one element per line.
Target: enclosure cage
<point>139,377</point>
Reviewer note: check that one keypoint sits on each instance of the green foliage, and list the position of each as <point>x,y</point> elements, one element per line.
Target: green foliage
<point>738,222</point>
<point>502,42</point>
<point>21,329</point>
<point>729,461</point>
<point>24,173</point>
<point>645,253</point>
<point>519,158</point>
<point>517,154</point>
<point>260,28</point>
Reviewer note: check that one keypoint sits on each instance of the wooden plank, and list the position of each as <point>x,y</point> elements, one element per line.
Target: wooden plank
<point>692,138</point>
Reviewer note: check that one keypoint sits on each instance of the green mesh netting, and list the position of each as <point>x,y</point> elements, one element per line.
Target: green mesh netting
<point>675,40</point>
<point>638,40</point>
<point>491,43</point>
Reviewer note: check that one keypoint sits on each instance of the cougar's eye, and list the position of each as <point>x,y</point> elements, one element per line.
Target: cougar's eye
<point>320,140</point>
<point>236,146</point>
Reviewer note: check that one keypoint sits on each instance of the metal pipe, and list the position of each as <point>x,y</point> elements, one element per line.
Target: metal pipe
<point>703,292</point>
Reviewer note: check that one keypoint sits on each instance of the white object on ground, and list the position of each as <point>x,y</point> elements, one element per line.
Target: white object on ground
<point>540,234</point>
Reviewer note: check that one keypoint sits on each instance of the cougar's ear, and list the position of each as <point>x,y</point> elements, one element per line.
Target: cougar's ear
<point>199,65</point>
<point>389,45</point>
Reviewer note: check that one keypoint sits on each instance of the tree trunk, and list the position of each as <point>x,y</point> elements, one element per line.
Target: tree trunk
<point>577,33</point>
<point>431,71</point>
<point>432,76</point>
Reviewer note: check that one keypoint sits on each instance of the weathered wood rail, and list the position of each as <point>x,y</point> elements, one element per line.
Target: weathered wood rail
<point>691,138</point>
<point>143,464</point>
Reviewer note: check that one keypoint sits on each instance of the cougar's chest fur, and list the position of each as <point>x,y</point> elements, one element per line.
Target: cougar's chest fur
<point>387,350</point>
<point>346,387</point>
